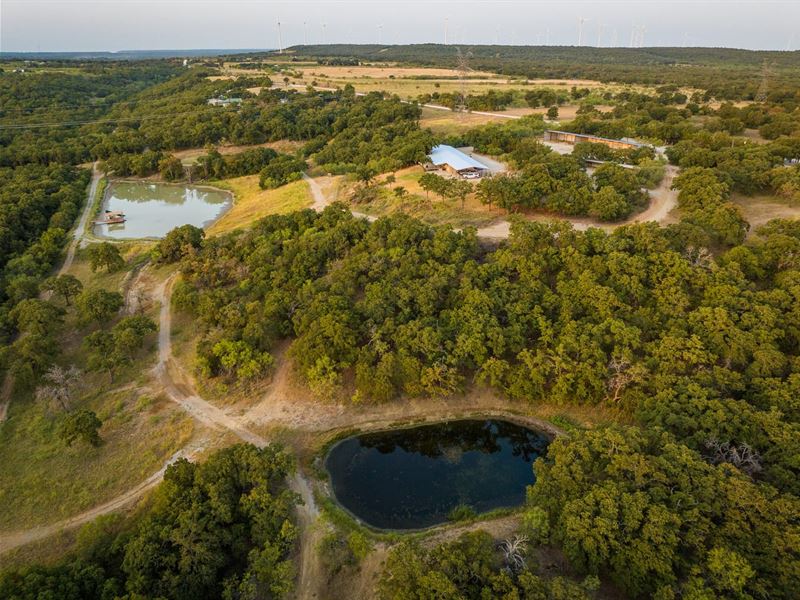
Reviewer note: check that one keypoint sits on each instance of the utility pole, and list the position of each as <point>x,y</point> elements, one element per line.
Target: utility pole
<point>463,69</point>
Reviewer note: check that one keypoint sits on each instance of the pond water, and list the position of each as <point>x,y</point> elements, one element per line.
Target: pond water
<point>153,209</point>
<point>413,478</point>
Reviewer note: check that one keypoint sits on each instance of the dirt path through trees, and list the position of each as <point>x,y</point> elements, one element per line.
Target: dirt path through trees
<point>663,200</point>
<point>80,228</point>
<point>179,387</point>
<point>77,235</point>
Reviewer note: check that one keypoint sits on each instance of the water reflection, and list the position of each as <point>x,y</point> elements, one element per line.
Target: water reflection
<point>412,478</point>
<point>153,209</point>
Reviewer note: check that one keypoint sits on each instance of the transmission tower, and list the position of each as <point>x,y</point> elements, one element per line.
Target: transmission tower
<point>763,88</point>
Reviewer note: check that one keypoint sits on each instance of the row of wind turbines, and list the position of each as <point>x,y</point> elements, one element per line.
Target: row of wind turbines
<point>637,36</point>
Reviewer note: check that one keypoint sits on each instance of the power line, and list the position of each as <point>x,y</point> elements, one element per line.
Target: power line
<point>98,122</point>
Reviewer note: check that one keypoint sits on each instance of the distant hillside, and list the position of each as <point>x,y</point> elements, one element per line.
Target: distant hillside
<point>125,54</point>
<point>728,73</point>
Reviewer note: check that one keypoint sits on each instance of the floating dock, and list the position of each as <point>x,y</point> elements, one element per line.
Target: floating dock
<point>111,217</point>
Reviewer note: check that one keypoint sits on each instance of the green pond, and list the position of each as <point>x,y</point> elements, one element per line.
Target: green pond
<point>153,209</point>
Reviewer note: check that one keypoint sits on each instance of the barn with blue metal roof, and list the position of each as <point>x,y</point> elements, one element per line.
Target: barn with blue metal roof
<point>456,162</point>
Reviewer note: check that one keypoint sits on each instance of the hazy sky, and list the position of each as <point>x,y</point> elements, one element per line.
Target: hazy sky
<point>52,25</point>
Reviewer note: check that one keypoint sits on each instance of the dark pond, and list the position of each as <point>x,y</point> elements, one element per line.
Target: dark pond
<point>413,478</point>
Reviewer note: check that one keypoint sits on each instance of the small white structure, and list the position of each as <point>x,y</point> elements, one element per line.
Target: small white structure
<point>222,101</point>
<point>456,162</point>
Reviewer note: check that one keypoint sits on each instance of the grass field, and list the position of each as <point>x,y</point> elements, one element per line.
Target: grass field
<point>41,479</point>
<point>190,156</point>
<point>252,203</point>
<point>410,82</point>
<point>428,208</point>
<point>447,123</point>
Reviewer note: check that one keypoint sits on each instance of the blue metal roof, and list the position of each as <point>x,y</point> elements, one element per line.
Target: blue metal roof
<point>447,155</point>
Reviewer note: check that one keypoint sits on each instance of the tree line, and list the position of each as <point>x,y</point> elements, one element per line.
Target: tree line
<point>223,528</point>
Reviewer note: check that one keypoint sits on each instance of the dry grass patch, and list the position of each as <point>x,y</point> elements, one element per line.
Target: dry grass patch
<point>191,155</point>
<point>447,123</point>
<point>757,210</point>
<point>42,480</point>
<point>427,207</point>
<point>252,203</point>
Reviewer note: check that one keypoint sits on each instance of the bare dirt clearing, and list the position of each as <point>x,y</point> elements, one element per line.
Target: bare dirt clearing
<point>758,210</point>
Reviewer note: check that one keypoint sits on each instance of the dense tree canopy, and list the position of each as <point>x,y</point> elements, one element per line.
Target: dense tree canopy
<point>219,529</point>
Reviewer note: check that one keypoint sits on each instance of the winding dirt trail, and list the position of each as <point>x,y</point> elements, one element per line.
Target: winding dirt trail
<point>9,541</point>
<point>663,199</point>
<point>179,387</point>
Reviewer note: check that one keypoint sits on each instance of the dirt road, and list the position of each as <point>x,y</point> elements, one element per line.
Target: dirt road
<point>80,228</point>
<point>663,200</point>
<point>179,388</point>
<point>10,541</point>
<point>77,235</point>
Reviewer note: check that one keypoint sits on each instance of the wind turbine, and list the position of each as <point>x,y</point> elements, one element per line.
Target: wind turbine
<point>280,39</point>
<point>380,34</point>
<point>445,31</point>
<point>305,33</point>
<point>600,27</point>
<point>581,21</point>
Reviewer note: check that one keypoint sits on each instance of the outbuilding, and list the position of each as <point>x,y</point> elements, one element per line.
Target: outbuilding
<point>573,138</point>
<point>454,161</point>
